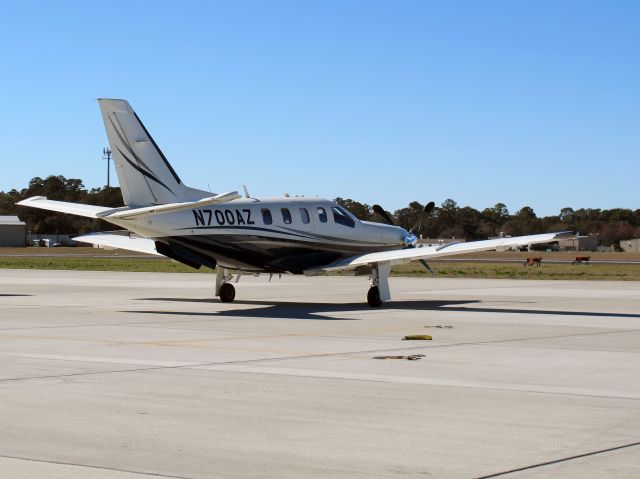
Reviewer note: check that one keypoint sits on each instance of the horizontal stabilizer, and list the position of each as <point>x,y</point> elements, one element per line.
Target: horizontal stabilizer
<point>172,207</point>
<point>124,212</point>
<point>431,252</point>
<point>79,209</point>
<point>118,241</point>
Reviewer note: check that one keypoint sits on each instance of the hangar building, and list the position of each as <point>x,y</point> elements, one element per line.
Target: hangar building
<point>13,232</point>
<point>630,245</point>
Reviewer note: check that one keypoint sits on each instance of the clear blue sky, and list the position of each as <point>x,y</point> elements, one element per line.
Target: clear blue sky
<point>528,103</point>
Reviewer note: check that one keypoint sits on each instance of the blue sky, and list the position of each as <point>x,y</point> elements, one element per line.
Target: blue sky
<point>528,103</point>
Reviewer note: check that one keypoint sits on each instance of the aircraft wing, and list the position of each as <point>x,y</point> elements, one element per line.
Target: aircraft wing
<point>430,252</point>
<point>112,240</point>
<point>79,209</point>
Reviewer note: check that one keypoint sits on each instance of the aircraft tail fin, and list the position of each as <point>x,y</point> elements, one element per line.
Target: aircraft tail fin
<point>146,177</point>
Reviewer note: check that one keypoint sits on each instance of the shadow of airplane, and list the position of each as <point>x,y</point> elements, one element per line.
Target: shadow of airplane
<point>323,311</point>
<point>10,295</point>
<point>292,310</point>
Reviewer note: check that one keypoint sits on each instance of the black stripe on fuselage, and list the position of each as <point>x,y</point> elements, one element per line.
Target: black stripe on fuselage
<point>241,227</point>
<point>333,238</point>
<point>289,231</point>
<point>268,254</point>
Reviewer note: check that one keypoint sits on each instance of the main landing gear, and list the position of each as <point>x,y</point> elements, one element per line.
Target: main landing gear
<point>225,290</point>
<point>373,297</point>
<point>379,290</point>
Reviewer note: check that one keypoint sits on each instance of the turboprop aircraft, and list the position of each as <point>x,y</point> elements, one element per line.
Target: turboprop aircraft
<point>235,234</point>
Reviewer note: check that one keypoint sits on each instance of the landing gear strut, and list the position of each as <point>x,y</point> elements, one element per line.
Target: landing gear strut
<point>224,290</point>
<point>379,290</point>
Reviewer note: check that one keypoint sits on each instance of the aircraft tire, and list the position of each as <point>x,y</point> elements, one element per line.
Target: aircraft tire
<point>227,293</point>
<point>373,297</point>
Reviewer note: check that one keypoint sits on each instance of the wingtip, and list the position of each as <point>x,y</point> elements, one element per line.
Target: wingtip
<point>27,201</point>
<point>565,234</point>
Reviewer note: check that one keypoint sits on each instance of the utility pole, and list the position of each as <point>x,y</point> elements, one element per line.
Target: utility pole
<point>106,155</point>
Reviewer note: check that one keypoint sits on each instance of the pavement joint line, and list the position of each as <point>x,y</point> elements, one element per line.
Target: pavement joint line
<point>90,466</point>
<point>126,324</point>
<point>557,461</point>
<point>533,338</point>
<point>202,367</point>
<point>284,358</point>
<point>372,380</point>
<point>164,325</point>
<point>89,373</point>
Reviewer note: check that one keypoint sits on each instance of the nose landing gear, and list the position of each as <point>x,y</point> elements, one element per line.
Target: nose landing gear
<point>224,290</point>
<point>227,293</point>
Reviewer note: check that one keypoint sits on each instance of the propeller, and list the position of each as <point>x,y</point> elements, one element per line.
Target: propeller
<point>424,263</point>
<point>411,239</point>
<point>384,214</point>
<point>428,208</point>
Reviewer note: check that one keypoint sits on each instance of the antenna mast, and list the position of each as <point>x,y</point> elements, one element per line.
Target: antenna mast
<point>106,155</point>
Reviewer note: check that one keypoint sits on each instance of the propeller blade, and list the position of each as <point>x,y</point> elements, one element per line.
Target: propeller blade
<point>424,263</point>
<point>428,208</point>
<point>384,214</point>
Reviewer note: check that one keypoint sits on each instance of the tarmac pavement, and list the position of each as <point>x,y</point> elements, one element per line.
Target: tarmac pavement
<point>136,375</point>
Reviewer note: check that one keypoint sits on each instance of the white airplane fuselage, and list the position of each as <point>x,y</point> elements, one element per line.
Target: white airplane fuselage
<point>278,235</point>
<point>299,235</point>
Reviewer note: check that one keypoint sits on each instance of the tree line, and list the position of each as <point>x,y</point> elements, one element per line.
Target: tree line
<point>60,188</point>
<point>449,220</point>
<point>452,221</point>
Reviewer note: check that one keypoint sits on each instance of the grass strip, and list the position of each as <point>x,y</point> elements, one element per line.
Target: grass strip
<point>628,272</point>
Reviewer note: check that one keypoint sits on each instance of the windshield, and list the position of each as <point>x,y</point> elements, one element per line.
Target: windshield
<point>342,217</point>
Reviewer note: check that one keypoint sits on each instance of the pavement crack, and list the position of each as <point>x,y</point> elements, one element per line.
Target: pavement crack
<point>90,466</point>
<point>308,356</point>
<point>557,461</point>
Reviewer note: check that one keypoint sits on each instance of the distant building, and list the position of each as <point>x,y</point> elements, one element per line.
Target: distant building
<point>13,232</point>
<point>439,241</point>
<point>630,245</point>
<point>581,243</point>
<point>50,240</point>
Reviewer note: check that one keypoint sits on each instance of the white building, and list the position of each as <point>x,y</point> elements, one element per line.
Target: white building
<point>630,245</point>
<point>13,232</point>
<point>581,243</point>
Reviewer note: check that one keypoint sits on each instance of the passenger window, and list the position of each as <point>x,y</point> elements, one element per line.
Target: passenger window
<point>322,214</point>
<point>342,218</point>
<point>286,216</point>
<point>266,216</point>
<point>304,214</point>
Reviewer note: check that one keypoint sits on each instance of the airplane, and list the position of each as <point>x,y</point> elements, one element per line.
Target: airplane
<point>235,234</point>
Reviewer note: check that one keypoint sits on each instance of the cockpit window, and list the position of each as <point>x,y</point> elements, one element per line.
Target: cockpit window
<point>266,216</point>
<point>322,214</point>
<point>286,216</point>
<point>304,214</point>
<point>341,217</point>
